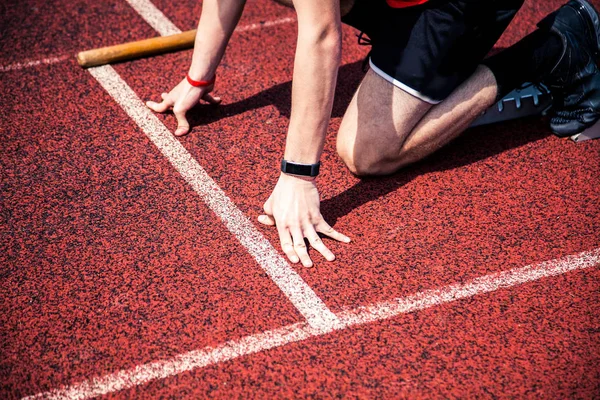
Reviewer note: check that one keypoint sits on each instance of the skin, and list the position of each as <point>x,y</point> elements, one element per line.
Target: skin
<point>217,22</point>
<point>294,205</point>
<point>383,130</point>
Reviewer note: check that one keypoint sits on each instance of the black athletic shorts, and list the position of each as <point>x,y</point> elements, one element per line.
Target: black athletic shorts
<point>429,50</point>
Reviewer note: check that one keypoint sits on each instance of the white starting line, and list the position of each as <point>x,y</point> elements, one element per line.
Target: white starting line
<point>163,25</point>
<point>247,345</point>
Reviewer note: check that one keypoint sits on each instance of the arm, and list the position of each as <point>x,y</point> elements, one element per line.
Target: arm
<point>318,52</point>
<point>217,22</point>
<point>294,204</point>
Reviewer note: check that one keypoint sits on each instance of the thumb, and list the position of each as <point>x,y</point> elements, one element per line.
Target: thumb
<point>158,107</point>
<point>183,125</point>
<point>266,220</point>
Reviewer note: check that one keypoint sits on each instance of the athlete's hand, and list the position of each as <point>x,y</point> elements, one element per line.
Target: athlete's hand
<point>294,207</point>
<point>182,98</point>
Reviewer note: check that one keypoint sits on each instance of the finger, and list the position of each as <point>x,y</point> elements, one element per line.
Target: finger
<point>158,107</point>
<point>164,95</point>
<point>327,230</point>
<point>210,99</point>
<point>316,242</point>
<point>266,220</point>
<point>287,245</point>
<point>300,248</point>
<point>183,126</point>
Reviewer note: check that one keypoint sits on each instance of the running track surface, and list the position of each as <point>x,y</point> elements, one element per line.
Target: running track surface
<point>132,264</point>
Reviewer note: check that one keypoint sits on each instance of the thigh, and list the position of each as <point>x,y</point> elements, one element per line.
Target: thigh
<point>378,120</point>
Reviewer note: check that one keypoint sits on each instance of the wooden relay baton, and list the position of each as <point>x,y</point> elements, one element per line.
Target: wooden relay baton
<point>133,50</point>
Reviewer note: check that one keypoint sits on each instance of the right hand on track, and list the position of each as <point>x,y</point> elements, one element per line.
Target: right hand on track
<point>181,99</point>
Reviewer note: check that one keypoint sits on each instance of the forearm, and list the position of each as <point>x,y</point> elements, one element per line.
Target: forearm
<point>217,22</point>
<point>316,64</point>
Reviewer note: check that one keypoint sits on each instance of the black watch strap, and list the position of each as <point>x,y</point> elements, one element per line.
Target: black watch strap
<point>293,168</point>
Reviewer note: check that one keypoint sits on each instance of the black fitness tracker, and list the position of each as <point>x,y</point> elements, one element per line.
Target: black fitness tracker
<point>293,168</point>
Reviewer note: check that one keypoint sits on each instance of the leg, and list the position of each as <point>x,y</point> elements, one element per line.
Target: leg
<point>377,122</point>
<point>450,118</point>
<point>420,56</point>
<point>386,128</point>
<point>563,54</point>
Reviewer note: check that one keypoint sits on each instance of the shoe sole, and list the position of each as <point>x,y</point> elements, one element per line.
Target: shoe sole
<point>590,133</point>
<point>519,103</point>
<point>592,16</point>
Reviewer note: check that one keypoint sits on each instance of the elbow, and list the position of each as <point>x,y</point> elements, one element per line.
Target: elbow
<point>333,42</point>
<point>331,45</point>
<point>326,37</point>
<point>329,35</point>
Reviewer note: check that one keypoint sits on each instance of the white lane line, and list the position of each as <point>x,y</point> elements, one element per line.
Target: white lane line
<point>293,286</point>
<point>154,17</point>
<point>484,284</point>
<point>163,25</point>
<point>145,373</point>
<point>33,63</point>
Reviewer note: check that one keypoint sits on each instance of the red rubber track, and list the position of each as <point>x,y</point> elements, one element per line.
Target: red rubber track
<point>34,29</point>
<point>535,342</point>
<point>110,260</point>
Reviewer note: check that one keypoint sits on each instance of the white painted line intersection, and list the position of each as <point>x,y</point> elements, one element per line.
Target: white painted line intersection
<point>252,344</point>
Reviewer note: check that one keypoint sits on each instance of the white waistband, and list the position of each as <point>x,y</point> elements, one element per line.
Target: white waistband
<point>401,85</point>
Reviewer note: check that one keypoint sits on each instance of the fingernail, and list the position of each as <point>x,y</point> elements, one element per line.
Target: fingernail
<point>308,265</point>
<point>295,259</point>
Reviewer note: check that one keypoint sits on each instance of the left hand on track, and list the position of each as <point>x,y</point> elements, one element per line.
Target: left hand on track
<point>294,207</point>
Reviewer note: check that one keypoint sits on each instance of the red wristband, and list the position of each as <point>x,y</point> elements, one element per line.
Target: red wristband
<point>200,83</point>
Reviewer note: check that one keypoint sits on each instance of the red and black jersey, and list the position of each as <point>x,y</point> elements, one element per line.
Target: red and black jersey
<point>405,3</point>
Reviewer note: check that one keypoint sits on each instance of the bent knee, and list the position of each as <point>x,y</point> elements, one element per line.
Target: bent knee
<point>363,165</point>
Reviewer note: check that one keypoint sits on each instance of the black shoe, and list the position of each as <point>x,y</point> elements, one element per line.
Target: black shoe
<point>575,79</point>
